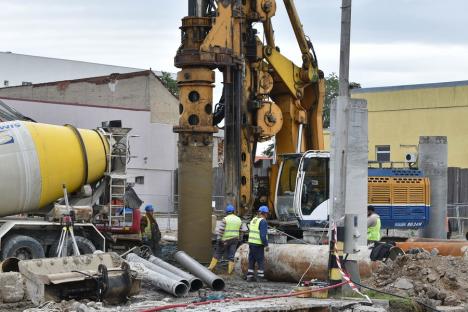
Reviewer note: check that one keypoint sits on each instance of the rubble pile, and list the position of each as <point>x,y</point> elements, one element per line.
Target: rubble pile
<point>436,280</point>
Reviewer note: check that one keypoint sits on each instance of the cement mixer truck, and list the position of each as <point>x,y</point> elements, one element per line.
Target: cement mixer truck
<point>49,171</point>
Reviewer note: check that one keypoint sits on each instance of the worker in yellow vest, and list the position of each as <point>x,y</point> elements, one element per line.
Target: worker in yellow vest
<point>150,233</point>
<point>373,225</point>
<point>227,239</point>
<point>258,243</point>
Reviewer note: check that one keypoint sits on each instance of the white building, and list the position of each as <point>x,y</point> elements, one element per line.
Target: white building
<point>139,99</point>
<point>21,69</point>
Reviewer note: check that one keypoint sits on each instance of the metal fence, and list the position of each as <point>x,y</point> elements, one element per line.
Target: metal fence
<point>217,203</point>
<point>458,218</point>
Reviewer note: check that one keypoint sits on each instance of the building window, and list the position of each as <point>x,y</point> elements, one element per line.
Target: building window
<point>382,153</point>
<point>26,83</point>
<point>140,180</point>
<point>6,83</point>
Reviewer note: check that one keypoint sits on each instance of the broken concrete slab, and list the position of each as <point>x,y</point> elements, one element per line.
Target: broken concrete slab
<point>403,283</point>
<point>11,287</point>
<point>368,309</point>
<point>463,308</point>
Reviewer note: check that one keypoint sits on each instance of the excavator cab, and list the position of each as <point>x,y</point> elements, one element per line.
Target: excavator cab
<point>302,189</point>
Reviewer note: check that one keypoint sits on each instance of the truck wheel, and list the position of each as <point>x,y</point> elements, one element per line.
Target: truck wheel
<point>85,246</point>
<point>22,247</point>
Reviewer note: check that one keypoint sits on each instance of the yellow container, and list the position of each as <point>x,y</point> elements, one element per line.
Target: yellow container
<point>323,294</point>
<point>303,288</point>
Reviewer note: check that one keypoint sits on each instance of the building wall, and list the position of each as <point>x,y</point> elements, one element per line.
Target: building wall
<point>18,68</point>
<point>139,91</point>
<point>399,116</point>
<point>155,148</point>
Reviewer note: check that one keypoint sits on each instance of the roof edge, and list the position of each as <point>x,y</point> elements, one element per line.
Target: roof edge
<point>411,87</point>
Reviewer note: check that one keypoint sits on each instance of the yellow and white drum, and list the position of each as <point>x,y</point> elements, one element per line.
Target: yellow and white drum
<point>36,160</point>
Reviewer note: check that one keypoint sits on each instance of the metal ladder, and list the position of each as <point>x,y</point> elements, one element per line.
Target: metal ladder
<point>118,178</point>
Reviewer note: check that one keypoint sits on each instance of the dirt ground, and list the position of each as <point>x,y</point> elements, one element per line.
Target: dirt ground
<point>426,277</point>
<point>432,279</point>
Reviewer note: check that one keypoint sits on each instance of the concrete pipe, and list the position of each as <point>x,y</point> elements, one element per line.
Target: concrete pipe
<point>456,249</point>
<point>153,267</point>
<point>437,240</point>
<point>162,282</point>
<point>288,262</point>
<point>10,265</point>
<point>194,282</point>
<point>37,159</point>
<point>190,264</point>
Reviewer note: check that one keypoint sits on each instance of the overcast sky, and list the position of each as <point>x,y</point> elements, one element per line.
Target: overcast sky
<point>393,41</point>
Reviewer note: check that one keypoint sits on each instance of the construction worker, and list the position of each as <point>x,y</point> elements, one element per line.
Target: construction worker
<point>258,243</point>
<point>228,239</point>
<point>373,225</point>
<point>150,233</point>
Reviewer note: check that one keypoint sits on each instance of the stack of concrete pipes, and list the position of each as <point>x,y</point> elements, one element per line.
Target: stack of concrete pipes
<point>172,279</point>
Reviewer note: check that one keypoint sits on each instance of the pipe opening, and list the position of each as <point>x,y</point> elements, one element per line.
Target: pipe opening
<point>10,265</point>
<point>196,284</point>
<point>181,290</point>
<point>218,284</point>
<point>186,283</point>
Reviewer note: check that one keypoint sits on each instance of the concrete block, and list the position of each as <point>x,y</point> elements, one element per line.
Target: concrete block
<point>368,309</point>
<point>11,287</point>
<point>452,309</point>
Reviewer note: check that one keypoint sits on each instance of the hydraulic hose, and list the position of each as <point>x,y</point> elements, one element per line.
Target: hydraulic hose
<point>293,294</point>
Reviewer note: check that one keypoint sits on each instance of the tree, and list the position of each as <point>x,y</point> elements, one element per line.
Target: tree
<point>331,92</point>
<point>170,83</point>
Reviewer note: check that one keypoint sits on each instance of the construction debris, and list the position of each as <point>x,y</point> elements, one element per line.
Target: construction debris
<point>103,276</point>
<point>436,280</point>
<point>11,287</point>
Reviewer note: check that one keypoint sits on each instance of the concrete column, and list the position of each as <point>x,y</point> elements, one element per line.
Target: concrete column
<point>356,175</point>
<point>338,143</point>
<point>433,154</point>
<point>348,164</point>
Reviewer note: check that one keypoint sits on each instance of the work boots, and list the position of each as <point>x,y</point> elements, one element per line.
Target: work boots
<point>213,264</point>
<point>230,267</point>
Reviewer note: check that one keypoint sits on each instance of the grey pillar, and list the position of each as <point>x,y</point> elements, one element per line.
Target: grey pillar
<point>356,176</point>
<point>348,168</point>
<point>433,154</point>
<point>338,142</point>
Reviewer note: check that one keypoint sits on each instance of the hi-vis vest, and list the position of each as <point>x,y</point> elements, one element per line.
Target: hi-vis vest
<point>148,234</point>
<point>254,231</point>
<point>231,230</point>
<point>373,232</point>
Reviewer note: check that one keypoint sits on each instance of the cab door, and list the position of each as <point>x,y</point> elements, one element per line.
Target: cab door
<point>311,196</point>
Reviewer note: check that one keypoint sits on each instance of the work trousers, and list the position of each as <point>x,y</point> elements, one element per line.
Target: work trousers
<point>227,248</point>
<point>153,245</point>
<point>256,256</point>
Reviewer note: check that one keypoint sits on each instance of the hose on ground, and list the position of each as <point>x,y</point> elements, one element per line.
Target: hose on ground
<point>185,305</point>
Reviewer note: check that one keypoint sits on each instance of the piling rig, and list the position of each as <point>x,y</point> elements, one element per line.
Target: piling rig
<point>265,95</point>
